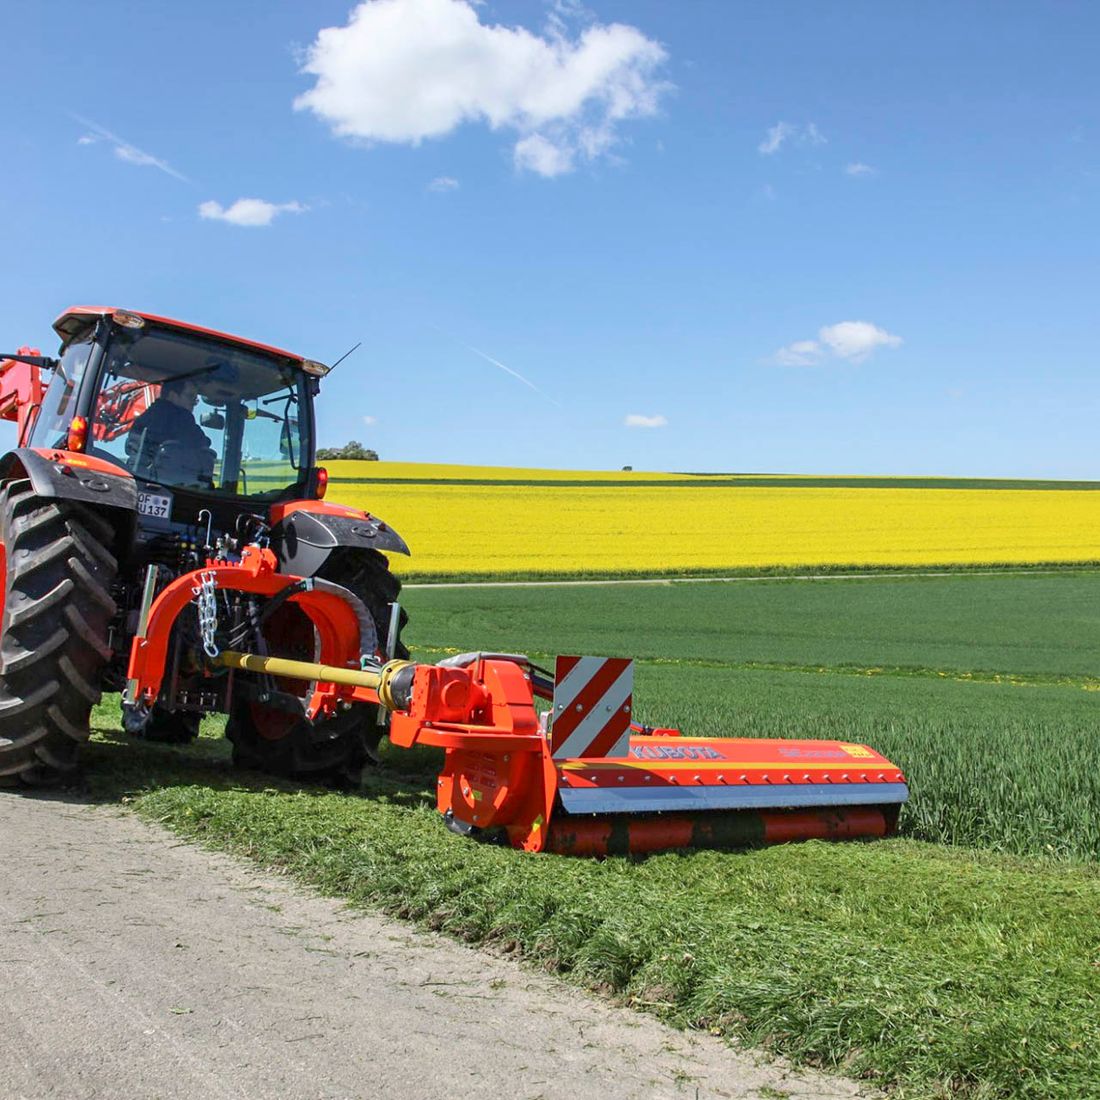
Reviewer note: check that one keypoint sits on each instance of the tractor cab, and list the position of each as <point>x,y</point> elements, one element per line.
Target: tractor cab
<point>181,407</point>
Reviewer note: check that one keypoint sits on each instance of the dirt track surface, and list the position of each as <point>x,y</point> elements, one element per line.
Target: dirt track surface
<point>134,965</point>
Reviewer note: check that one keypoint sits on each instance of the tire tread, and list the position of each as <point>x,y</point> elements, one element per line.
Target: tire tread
<point>57,611</point>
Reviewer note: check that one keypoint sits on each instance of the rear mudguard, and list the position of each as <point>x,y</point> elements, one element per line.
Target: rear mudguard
<point>72,476</point>
<point>304,533</point>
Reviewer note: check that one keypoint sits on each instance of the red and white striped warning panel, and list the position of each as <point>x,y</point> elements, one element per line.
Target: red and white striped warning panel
<point>592,701</point>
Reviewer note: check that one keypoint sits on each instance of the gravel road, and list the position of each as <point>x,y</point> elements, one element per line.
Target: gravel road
<point>134,965</point>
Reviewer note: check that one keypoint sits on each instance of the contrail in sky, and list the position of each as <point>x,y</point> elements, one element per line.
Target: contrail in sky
<point>127,152</point>
<point>504,367</point>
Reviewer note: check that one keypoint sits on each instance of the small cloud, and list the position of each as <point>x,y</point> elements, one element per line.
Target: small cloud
<point>852,341</point>
<point>802,353</point>
<point>251,212</point>
<point>768,192</point>
<point>538,154</point>
<point>124,150</point>
<point>858,168</point>
<point>855,340</point>
<point>774,139</point>
<point>783,132</point>
<point>370,421</point>
<point>132,155</point>
<point>811,135</point>
<point>408,70</point>
<point>443,183</point>
<point>637,420</point>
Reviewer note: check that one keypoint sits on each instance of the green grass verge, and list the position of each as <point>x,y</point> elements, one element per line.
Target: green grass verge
<point>936,971</point>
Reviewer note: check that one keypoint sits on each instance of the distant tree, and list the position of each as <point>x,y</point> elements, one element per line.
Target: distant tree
<point>628,467</point>
<point>354,450</point>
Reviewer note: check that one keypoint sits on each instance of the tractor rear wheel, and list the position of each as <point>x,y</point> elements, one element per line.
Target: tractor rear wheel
<point>57,573</point>
<point>270,739</point>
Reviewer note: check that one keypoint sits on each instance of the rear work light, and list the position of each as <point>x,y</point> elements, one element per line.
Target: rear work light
<point>78,433</point>
<point>321,483</point>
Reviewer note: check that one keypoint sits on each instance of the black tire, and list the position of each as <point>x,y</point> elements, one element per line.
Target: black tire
<point>57,608</point>
<point>172,727</point>
<point>271,740</point>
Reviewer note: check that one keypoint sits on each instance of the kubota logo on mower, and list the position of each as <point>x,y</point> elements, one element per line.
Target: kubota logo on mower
<point>669,752</point>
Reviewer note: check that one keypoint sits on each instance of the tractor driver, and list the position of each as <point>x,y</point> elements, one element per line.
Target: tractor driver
<point>169,420</point>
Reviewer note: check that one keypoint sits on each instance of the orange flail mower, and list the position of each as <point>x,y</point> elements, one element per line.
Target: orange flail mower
<point>579,777</point>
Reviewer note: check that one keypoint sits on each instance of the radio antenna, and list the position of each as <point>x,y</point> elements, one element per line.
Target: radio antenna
<point>345,355</point>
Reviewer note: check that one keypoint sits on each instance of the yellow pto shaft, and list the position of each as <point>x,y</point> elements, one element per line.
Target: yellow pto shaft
<point>380,680</point>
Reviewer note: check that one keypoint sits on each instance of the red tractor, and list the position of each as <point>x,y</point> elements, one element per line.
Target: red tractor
<point>155,447</point>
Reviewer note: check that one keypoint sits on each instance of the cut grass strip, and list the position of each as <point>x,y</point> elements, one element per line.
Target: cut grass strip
<point>945,973</point>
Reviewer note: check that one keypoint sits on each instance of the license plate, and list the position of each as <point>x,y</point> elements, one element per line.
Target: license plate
<point>154,504</point>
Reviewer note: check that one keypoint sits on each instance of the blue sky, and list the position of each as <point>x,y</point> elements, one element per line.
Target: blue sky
<point>774,236</point>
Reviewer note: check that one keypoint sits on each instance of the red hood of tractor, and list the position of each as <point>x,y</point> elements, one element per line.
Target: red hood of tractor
<point>76,317</point>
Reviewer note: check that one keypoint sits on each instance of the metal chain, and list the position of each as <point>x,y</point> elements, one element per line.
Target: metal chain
<point>207,600</point>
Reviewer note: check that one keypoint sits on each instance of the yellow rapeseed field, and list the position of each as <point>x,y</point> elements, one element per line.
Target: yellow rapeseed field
<point>623,528</point>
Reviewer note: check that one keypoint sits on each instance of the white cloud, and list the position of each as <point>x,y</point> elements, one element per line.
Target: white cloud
<point>539,154</point>
<point>802,353</point>
<point>370,421</point>
<point>856,340</point>
<point>406,70</point>
<point>858,168</point>
<point>852,341</point>
<point>776,135</point>
<point>132,155</point>
<point>248,211</point>
<point>124,150</point>
<point>637,420</point>
<point>443,183</point>
<point>783,132</point>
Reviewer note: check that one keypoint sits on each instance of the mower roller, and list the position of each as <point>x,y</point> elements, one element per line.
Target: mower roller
<point>199,573</point>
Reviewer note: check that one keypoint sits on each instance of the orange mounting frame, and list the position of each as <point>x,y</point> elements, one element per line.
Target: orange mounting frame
<point>335,620</point>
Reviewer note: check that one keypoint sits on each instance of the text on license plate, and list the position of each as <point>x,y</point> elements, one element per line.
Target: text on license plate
<point>154,504</point>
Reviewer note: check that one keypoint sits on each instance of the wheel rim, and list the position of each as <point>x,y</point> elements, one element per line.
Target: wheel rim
<point>271,723</point>
<point>288,633</point>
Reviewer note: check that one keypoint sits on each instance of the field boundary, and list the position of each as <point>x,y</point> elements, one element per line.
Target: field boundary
<point>836,574</point>
<point>712,481</point>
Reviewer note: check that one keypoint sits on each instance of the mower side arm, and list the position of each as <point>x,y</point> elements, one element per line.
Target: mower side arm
<point>72,476</point>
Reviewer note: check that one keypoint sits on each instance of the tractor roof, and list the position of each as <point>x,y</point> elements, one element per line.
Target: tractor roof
<point>75,318</point>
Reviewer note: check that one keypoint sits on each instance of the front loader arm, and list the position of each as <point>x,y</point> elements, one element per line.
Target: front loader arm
<point>21,389</point>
